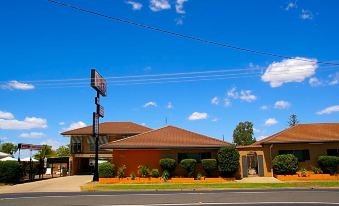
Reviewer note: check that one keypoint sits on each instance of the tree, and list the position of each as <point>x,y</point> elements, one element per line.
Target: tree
<point>292,120</point>
<point>243,134</point>
<point>228,160</point>
<point>46,151</point>
<point>63,151</point>
<point>9,148</point>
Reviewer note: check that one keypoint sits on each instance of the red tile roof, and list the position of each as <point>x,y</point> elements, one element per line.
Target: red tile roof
<point>166,137</point>
<point>110,128</point>
<point>321,132</point>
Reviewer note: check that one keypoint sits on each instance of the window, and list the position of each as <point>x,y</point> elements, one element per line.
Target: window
<point>92,147</point>
<point>76,148</point>
<point>333,152</point>
<point>197,156</point>
<point>302,155</point>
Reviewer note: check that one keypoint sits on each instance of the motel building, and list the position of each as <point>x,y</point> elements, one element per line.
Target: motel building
<point>83,143</point>
<point>130,144</point>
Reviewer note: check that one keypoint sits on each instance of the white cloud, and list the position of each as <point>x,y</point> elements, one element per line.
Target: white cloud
<point>158,5</point>
<point>32,135</point>
<point>169,105</point>
<point>179,20</point>
<point>329,110</point>
<point>179,6</point>
<point>271,121</point>
<point>27,123</point>
<point>215,120</point>
<point>6,115</point>
<point>198,116</point>
<point>314,82</point>
<point>306,14</point>
<point>289,70</point>
<point>11,85</point>
<point>215,100</point>
<point>227,102</point>
<point>54,143</point>
<point>135,5</point>
<point>335,79</point>
<point>282,104</point>
<point>75,125</point>
<point>233,93</point>
<point>61,123</point>
<point>150,104</point>
<point>143,124</point>
<point>255,130</point>
<point>247,96</point>
<point>291,5</point>
<point>261,137</point>
<point>264,107</point>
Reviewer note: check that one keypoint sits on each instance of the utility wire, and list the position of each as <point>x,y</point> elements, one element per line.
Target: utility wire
<point>167,80</point>
<point>157,29</point>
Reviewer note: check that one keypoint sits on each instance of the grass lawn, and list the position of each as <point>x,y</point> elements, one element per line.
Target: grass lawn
<point>202,186</point>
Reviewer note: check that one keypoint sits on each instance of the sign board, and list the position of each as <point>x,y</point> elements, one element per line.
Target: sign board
<point>24,146</point>
<point>98,82</point>
<point>96,123</point>
<point>101,111</point>
<point>37,147</point>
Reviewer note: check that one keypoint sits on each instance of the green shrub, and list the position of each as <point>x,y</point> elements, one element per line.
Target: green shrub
<point>165,175</point>
<point>189,165</point>
<point>143,170</point>
<point>168,164</point>
<point>200,176</point>
<point>228,160</point>
<point>106,169</point>
<point>155,173</point>
<point>209,165</point>
<point>121,171</point>
<point>286,164</point>
<point>10,172</point>
<point>317,170</point>
<point>133,176</point>
<point>328,164</point>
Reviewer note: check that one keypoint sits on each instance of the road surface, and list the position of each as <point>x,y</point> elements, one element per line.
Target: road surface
<point>225,197</point>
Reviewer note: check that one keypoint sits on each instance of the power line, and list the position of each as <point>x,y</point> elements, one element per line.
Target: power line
<point>229,46</point>
<point>147,76</point>
<point>168,80</point>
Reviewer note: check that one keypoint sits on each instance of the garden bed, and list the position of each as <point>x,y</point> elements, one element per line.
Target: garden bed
<point>307,177</point>
<point>129,180</point>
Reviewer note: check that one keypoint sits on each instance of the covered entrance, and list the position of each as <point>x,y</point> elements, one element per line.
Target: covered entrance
<point>252,165</point>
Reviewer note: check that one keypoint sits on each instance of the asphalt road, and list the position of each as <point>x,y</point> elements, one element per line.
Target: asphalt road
<point>225,197</point>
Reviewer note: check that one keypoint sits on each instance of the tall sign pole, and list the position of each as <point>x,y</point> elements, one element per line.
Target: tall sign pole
<point>99,84</point>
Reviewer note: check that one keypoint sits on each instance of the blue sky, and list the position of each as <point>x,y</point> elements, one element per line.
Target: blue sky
<point>42,41</point>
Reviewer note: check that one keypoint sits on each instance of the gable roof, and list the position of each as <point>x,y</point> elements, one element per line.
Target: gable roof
<point>321,132</point>
<point>166,137</point>
<point>110,128</point>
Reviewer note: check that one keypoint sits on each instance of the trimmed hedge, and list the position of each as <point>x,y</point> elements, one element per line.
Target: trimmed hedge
<point>209,165</point>
<point>286,164</point>
<point>10,172</point>
<point>168,164</point>
<point>189,165</point>
<point>228,161</point>
<point>155,173</point>
<point>328,164</point>
<point>106,169</point>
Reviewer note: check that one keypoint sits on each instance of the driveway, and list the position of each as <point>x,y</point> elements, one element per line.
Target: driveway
<point>60,184</point>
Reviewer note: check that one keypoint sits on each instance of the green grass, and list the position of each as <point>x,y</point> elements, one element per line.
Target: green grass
<point>202,186</point>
